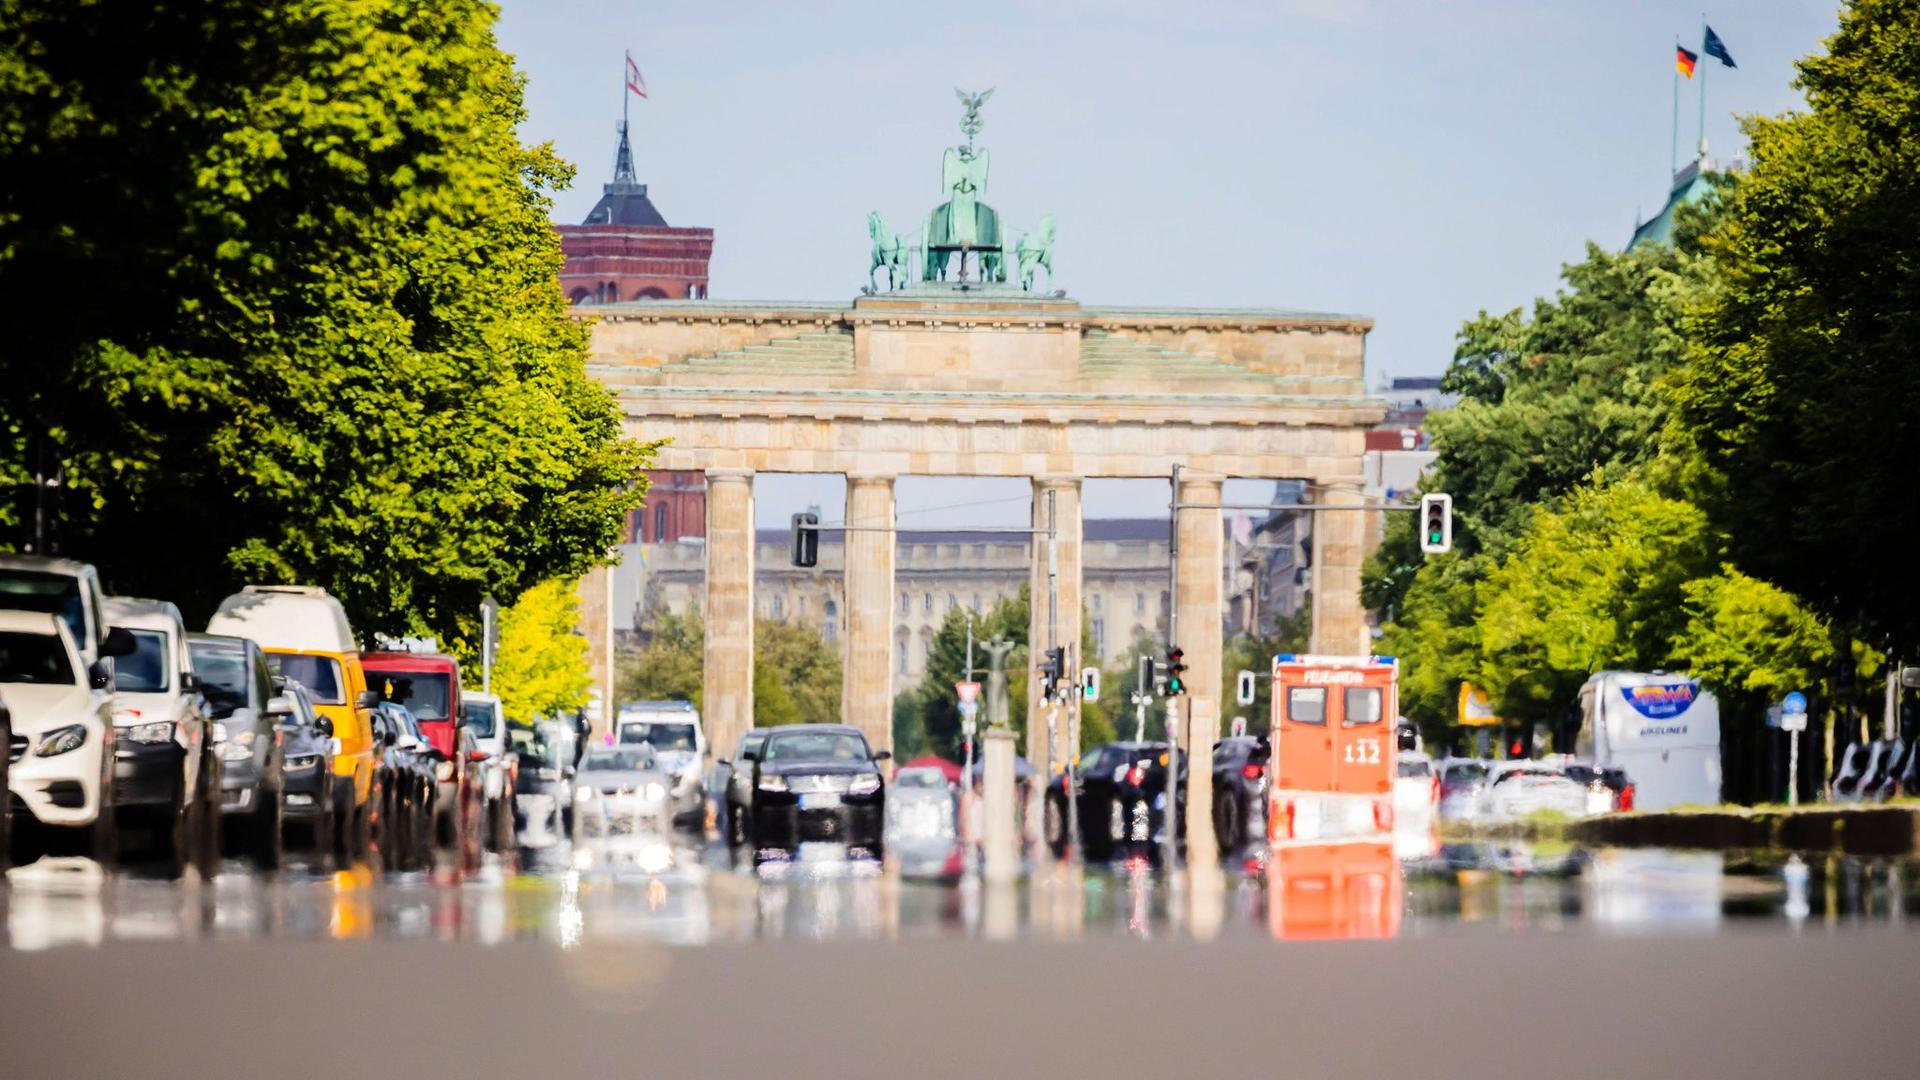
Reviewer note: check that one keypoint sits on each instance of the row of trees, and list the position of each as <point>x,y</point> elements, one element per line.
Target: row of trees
<point>287,310</point>
<point>1691,457</point>
<point>796,672</point>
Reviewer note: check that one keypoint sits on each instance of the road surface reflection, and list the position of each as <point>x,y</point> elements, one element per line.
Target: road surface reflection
<point>682,892</point>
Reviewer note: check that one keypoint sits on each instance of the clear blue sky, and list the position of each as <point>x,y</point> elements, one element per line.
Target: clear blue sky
<point>1405,159</point>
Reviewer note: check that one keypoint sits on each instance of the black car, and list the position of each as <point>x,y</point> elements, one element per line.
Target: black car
<point>1122,798</point>
<point>1239,789</point>
<point>307,749</point>
<point>733,785</point>
<point>6,793</point>
<point>237,683</point>
<point>816,782</point>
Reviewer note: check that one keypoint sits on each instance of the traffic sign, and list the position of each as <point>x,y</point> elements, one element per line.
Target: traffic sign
<point>1793,721</point>
<point>968,692</point>
<point>1794,702</point>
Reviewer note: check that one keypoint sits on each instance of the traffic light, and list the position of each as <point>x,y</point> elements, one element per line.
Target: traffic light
<point>1176,671</point>
<point>804,544</point>
<point>1053,668</point>
<point>1436,523</point>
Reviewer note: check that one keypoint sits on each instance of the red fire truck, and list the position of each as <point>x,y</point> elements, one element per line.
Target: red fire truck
<point>1332,765</point>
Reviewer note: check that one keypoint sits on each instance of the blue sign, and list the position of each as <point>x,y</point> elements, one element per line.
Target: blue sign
<point>1794,702</point>
<point>1661,700</point>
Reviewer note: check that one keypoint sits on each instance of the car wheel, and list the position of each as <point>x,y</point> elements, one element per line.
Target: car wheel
<point>1226,823</point>
<point>736,825</point>
<point>1054,824</point>
<point>103,838</point>
<point>269,832</point>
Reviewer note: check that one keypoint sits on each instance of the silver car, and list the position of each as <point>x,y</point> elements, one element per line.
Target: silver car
<point>621,789</point>
<point>1463,788</point>
<point>1521,788</point>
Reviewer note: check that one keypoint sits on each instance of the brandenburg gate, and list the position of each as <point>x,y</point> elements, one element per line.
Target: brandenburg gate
<point>959,366</point>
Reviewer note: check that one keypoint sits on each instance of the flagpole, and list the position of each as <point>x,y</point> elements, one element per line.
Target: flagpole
<point>626,92</point>
<point>1703,87</point>
<point>1673,142</point>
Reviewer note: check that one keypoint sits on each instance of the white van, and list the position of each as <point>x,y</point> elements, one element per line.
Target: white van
<point>1662,728</point>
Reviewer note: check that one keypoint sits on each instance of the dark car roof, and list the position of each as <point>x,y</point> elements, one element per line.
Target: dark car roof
<point>845,729</point>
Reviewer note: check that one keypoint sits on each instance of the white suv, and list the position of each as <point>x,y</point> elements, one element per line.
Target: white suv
<point>673,729</point>
<point>61,747</point>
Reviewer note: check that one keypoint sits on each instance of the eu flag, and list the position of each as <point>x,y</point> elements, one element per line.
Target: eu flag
<point>1717,49</point>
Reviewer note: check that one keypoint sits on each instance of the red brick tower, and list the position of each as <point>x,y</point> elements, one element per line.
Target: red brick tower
<point>626,251</point>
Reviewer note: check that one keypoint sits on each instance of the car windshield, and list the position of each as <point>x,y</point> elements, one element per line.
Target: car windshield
<point>1469,772</point>
<point>817,746</point>
<point>144,670</point>
<point>33,658</point>
<point>612,759</point>
<point>481,717</point>
<point>1415,767</point>
<point>424,693</point>
<point>1533,775</point>
<point>319,674</point>
<point>920,778</point>
<point>677,735</point>
<point>55,594</point>
<point>222,673</point>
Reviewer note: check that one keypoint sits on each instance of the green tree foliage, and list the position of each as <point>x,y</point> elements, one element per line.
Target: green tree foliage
<point>1801,393</point>
<point>296,308</point>
<point>1255,653</point>
<point>947,664</point>
<point>796,674</point>
<point>668,666</point>
<point>541,666</point>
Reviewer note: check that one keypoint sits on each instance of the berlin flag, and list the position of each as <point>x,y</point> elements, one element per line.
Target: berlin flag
<point>634,82</point>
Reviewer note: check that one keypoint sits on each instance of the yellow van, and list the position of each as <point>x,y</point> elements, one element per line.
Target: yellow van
<point>306,637</point>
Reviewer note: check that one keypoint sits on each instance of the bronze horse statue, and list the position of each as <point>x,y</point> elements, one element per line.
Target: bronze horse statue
<point>889,250</point>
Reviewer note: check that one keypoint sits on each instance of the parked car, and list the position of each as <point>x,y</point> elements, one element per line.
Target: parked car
<point>61,746</point>
<point>1608,790</point>
<point>306,637</point>
<point>1524,787</point>
<point>238,688</point>
<point>166,775</point>
<point>621,788</point>
<point>817,782</point>
<point>733,785</point>
<point>410,768</point>
<point>307,746</point>
<point>1239,789</point>
<point>1845,785</point>
<point>6,798</point>
<point>1885,759</point>
<point>673,729</point>
<point>483,719</point>
<point>1416,791</point>
<point>1122,798</point>
<point>1909,778</point>
<point>1463,788</point>
<point>429,686</point>
<point>68,589</point>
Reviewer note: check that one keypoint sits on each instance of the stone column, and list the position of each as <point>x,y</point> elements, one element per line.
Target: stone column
<point>866,696</point>
<point>1066,503</point>
<point>1339,549</point>
<point>727,682</point>
<point>1200,570</point>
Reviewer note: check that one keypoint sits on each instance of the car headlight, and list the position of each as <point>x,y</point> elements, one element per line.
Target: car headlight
<point>773,783</point>
<point>61,741</point>
<point>654,791</point>
<point>158,732</point>
<point>585,791</point>
<point>864,784</point>
<point>301,763</point>
<point>443,771</point>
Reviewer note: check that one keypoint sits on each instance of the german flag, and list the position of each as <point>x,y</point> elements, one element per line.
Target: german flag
<point>1683,60</point>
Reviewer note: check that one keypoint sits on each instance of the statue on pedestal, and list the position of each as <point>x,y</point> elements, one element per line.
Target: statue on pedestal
<point>997,708</point>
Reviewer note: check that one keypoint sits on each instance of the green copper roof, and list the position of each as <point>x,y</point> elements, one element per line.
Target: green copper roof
<point>1688,187</point>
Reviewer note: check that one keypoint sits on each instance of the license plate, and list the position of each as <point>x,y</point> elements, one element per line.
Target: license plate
<point>819,800</point>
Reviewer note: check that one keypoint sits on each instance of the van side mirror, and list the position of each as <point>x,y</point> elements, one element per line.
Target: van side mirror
<point>118,642</point>
<point>280,705</point>
<point>100,674</point>
<point>325,727</point>
<point>368,699</point>
<point>749,755</point>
